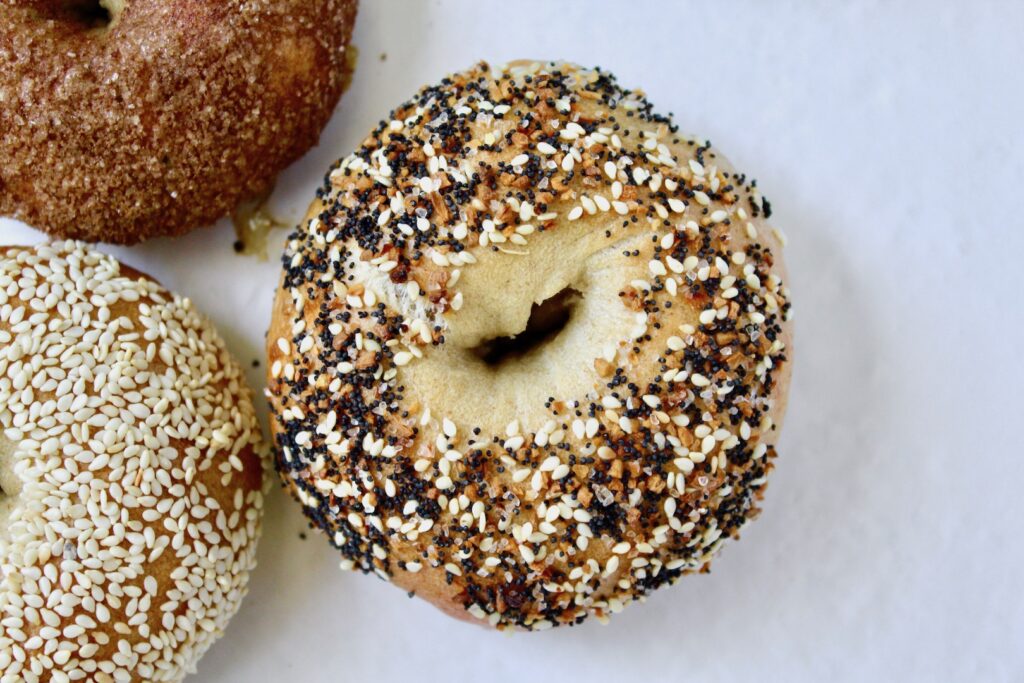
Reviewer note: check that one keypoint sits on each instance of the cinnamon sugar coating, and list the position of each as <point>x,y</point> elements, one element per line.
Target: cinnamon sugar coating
<point>162,118</point>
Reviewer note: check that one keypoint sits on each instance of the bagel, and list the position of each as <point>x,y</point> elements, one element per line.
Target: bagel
<point>131,486</point>
<point>122,120</point>
<point>530,350</point>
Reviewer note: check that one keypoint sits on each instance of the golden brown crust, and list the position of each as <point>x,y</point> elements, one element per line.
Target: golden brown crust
<point>608,459</point>
<point>166,119</point>
<point>169,495</point>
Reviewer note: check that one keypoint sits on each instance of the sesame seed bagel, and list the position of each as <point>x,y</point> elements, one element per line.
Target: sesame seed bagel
<point>131,487</point>
<point>529,354</point>
<point>122,120</point>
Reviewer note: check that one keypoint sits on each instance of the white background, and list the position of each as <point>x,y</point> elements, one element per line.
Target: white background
<point>889,140</point>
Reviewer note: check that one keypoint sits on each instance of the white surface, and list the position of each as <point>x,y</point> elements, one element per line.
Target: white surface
<point>889,142</point>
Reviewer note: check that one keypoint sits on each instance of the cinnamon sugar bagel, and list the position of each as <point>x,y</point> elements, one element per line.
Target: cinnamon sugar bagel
<point>122,120</point>
<point>131,488</point>
<point>529,354</point>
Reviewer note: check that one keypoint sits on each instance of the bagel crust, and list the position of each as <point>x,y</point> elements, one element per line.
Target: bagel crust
<point>131,485</point>
<point>531,486</point>
<point>164,117</point>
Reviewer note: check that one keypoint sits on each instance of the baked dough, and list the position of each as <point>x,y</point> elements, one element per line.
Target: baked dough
<point>122,120</point>
<point>530,350</point>
<point>131,487</point>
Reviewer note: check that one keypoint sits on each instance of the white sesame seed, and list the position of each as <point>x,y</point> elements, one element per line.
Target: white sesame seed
<point>610,402</point>
<point>657,267</point>
<point>123,419</point>
<point>568,162</point>
<point>699,380</point>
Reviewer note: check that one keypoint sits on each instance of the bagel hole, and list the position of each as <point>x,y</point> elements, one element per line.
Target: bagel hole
<point>90,14</point>
<point>9,485</point>
<point>546,320</point>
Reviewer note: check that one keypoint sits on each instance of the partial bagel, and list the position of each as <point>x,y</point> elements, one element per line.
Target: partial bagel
<point>122,120</point>
<point>131,486</point>
<point>529,354</point>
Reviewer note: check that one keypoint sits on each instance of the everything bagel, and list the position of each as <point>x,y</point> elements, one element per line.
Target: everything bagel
<point>530,350</point>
